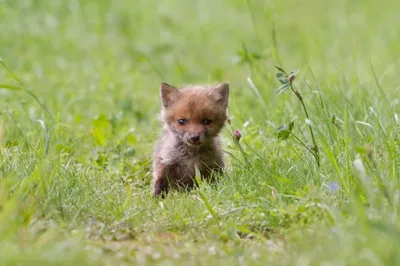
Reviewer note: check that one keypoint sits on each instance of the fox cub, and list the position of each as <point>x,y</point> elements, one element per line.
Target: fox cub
<point>192,117</point>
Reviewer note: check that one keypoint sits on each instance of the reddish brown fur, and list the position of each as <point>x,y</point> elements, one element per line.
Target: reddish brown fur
<point>176,154</point>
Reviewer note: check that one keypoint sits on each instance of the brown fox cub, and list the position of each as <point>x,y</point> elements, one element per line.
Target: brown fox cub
<point>192,117</point>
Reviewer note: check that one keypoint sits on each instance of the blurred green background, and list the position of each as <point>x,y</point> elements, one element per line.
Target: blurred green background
<point>79,103</point>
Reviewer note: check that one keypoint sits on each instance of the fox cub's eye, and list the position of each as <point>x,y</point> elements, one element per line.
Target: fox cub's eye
<point>182,122</point>
<point>207,121</point>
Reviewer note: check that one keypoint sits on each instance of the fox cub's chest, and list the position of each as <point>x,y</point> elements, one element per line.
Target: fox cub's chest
<point>205,162</point>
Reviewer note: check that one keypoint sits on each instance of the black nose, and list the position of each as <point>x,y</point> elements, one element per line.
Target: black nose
<point>195,139</point>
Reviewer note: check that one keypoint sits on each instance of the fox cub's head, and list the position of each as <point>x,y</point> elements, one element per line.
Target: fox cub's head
<point>195,114</point>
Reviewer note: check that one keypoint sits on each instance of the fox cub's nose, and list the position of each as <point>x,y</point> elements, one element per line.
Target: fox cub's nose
<point>195,139</point>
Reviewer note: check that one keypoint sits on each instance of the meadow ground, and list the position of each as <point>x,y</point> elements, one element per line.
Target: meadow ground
<point>78,117</point>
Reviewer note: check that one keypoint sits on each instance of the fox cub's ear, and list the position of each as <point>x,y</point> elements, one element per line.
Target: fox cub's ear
<point>221,94</point>
<point>169,94</point>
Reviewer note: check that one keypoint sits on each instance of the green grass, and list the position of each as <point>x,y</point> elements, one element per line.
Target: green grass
<point>78,121</point>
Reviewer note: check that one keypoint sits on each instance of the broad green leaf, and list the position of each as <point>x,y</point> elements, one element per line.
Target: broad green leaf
<point>99,137</point>
<point>282,88</point>
<point>130,152</point>
<point>282,78</point>
<point>12,143</point>
<point>78,118</point>
<point>131,139</point>
<point>283,132</point>
<point>101,129</point>
<point>101,121</point>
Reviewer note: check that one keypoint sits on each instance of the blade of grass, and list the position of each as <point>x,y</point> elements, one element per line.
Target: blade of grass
<point>22,88</point>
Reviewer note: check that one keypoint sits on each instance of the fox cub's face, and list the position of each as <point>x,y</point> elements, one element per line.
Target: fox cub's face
<point>195,114</point>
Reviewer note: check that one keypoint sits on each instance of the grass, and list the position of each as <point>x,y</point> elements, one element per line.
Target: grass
<point>78,120</point>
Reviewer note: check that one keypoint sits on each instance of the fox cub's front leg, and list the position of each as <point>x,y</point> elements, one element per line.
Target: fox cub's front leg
<point>160,180</point>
